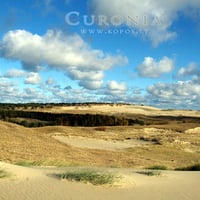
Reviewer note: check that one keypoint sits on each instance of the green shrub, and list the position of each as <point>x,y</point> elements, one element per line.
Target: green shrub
<point>25,163</point>
<point>3,173</point>
<point>88,177</point>
<point>157,167</point>
<point>150,172</point>
<point>57,163</point>
<point>195,167</point>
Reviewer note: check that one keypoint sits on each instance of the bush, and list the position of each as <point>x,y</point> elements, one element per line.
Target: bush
<point>25,163</point>
<point>157,167</point>
<point>88,177</point>
<point>150,173</point>
<point>3,173</point>
<point>189,168</point>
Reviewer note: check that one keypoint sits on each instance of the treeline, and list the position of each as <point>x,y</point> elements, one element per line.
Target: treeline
<point>68,119</point>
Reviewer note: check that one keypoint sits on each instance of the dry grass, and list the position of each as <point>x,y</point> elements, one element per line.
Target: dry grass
<point>100,128</point>
<point>96,178</point>
<point>19,144</point>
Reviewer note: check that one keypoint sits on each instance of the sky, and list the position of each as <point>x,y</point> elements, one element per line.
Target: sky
<point>130,51</point>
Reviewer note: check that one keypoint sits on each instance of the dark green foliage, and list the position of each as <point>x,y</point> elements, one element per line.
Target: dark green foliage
<point>157,167</point>
<point>150,173</point>
<point>189,168</point>
<point>44,119</point>
<point>3,174</point>
<point>88,177</point>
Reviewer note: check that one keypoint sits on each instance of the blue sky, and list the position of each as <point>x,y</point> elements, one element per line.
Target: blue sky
<point>141,52</point>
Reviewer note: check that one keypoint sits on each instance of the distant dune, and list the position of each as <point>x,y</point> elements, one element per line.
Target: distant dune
<point>120,108</point>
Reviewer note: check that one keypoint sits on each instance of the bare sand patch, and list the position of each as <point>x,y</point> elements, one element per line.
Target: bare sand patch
<point>91,143</point>
<point>193,130</point>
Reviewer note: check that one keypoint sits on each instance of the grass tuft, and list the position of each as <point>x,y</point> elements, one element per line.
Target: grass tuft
<point>150,173</point>
<point>195,167</point>
<point>93,177</point>
<point>27,163</point>
<point>157,167</point>
<point>3,174</point>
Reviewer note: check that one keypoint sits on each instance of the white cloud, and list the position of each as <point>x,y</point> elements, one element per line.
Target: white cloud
<point>8,90</point>
<point>32,78</point>
<point>88,79</point>
<point>15,73</point>
<point>114,85</point>
<point>50,81</point>
<point>183,94</point>
<point>154,69</point>
<point>153,18</point>
<point>116,89</point>
<point>91,85</point>
<point>56,50</point>
<point>191,70</point>
<point>32,95</point>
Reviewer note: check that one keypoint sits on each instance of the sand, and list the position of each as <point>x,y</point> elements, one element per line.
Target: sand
<point>87,146</point>
<point>119,109</point>
<point>91,143</point>
<point>27,183</point>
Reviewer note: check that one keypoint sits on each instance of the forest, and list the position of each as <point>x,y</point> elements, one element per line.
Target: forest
<point>12,113</point>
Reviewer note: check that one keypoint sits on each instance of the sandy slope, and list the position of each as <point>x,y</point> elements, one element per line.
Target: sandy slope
<point>117,109</point>
<point>39,184</point>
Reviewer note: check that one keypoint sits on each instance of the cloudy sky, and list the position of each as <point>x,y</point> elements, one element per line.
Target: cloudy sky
<point>141,52</point>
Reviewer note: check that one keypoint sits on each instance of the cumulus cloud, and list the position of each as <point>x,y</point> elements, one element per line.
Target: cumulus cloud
<point>56,50</point>
<point>183,94</point>
<point>88,79</point>
<point>114,85</point>
<point>7,90</point>
<point>32,78</point>
<point>68,87</point>
<point>191,70</point>
<point>12,73</point>
<point>31,95</point>
<point>154,69</point>
<point>50,81</point>
<point>150,17</point>
<point>116,89</point>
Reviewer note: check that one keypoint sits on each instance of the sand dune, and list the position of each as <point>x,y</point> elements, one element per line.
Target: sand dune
<point>179,146</point>
<point>117,109</point>
<point>39,184</point>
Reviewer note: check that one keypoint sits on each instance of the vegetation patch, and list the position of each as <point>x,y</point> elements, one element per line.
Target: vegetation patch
<point>195,167</point>
<point>3,174</point>
<point>150,172</point>
<point>27,163</point>
<point>37,119</point>
<point>100,128</point>
<point>158,167</point>
<point>95,178</point>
